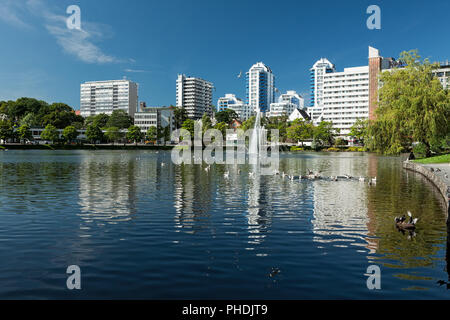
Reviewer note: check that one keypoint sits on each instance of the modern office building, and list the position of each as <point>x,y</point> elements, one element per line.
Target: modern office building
<point>260,87</point>
<point>317,73</point>
<point>106,96</point>
<point>195,95</point>
<point>159,117</point>
<point>230,101</point>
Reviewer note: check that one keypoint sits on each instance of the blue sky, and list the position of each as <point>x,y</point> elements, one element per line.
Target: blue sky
<point>150,42</point>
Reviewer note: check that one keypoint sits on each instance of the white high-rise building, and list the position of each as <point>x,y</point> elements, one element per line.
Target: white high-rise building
<point>345,98</point>
<point>260,87</point>
<point>195,95</point>
<point>106,96</point>
<point>317,73</point>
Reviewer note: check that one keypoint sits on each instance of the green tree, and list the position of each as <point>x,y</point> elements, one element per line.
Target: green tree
<point>24,133</point>
<point>16,110</point>
<point>222,127</point>
<point>94,133</point>
<point>119,119</point>
<point>300,130</point>
<point>70,133</point>
<point>180,116</point>
<point>6,130</point>
<point>226,116</point>
<point>359,129</point>
<point>413,106</point>
<point>189,125</point>
<point>249,123</point>
<point>59,115</point>
<point>134,134</point>
<point>324,133</point>
<point>29,120</point>
<point>101,120</point>
<point>50,133</point>
<point>152,133</point>
<point>206,123</point>
<point>113,134</point>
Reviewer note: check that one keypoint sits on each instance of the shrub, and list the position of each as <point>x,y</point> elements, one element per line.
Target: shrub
<point>332,149</point>
<point>341,142</point>
<point>297,148</point>
<point>420,150</point>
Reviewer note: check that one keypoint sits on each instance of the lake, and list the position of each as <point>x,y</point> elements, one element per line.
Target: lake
<point>139,226</point>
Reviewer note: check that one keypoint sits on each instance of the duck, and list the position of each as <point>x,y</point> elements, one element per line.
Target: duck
<point>226,175</point>
<point>362,179</point>
<point>401,223</point>
<point>283,174</point>
<point>334,178</point>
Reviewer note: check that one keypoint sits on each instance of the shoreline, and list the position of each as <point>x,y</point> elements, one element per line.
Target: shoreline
<point>436,180</point>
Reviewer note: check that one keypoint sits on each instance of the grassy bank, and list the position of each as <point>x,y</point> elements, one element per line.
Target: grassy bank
<point>438,159</point>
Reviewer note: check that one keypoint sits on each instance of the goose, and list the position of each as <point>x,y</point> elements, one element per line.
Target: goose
<point>402,224</point>
<point>226,175</point>
<point>334,178</point>
<point>283,174</point>
<point>374,180</point>
<point>362,179</point>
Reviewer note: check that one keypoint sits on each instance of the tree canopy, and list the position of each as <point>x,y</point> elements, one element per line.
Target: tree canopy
<point>413,107</point>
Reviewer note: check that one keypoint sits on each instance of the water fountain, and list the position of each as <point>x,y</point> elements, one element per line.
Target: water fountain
<point>256,139</point>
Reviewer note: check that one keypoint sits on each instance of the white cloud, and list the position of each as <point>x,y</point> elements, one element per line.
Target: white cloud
<point>11,12</point>
<point>78,43</point>
<point>134,70</point>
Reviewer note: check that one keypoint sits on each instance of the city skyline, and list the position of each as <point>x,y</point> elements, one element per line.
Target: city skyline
<point>45,61</point>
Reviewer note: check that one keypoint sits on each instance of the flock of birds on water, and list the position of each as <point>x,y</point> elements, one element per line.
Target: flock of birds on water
<point>310,175</point>
<point>402,223</point>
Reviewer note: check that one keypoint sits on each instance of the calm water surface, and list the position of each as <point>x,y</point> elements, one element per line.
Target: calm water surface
<point>141,227</point>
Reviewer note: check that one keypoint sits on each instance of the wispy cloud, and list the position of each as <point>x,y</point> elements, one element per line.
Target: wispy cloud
<point>134,70</point>
<point>11,12</point>
<point>82,44</point>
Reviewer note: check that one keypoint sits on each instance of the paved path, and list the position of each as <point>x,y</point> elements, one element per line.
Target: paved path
<point>444,174</point>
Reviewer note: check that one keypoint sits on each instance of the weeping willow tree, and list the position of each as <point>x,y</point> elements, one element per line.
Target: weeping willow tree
<point>413,107</point>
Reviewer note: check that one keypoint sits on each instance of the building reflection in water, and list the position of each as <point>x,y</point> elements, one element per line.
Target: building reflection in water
<point>193,197</point>
<point>341,208</point>
<point>108,188</point>
<point>258,217</point>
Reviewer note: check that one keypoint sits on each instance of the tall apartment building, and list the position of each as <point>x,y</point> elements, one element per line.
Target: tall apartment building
<point>346,97</point>
<point>317,73</point>
<point>260,87</point>
<point>106,96</point>
<point>195,95</point>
